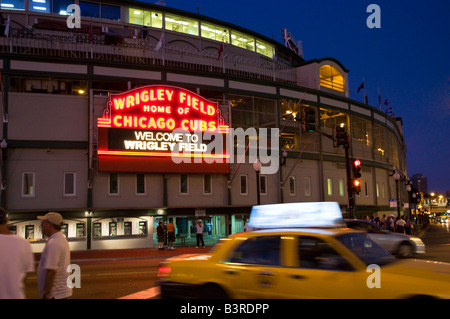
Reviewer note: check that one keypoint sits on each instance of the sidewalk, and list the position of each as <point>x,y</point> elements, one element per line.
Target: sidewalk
<point>127,254</point>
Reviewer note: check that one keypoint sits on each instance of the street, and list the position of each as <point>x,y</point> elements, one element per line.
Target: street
<point>134,277</point>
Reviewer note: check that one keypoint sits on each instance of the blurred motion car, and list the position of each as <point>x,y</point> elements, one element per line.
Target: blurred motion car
<point>402,245</point>
<point>301,262</point>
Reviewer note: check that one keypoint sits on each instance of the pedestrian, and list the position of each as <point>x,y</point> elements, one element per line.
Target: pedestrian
<point>16,261</point>
<point>199,230</point>
<point>170,233</point>
<point>400,225</point>
<point>383,220</point>
<point>161,234</point>
<point>55,259</point>
<point>389,223</point>
<point>408,226</point>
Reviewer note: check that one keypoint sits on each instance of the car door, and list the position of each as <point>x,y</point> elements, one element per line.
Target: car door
<point>320,272</point>
<point>253,268</point>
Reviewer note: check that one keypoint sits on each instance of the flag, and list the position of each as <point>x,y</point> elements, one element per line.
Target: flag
<point>8,26</point>
<point>160,43</point>
<point>386,102</point>
<point>90,33</point>
<point>220,51</point>
<point>361,86</point>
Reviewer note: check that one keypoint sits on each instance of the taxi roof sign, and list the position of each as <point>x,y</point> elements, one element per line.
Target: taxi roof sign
<point>311,214</point>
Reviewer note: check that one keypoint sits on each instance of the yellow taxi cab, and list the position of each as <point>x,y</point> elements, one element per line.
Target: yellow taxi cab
<point>324,261</point>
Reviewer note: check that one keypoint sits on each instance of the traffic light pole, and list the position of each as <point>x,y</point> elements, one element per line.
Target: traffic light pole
<point>351,199</point>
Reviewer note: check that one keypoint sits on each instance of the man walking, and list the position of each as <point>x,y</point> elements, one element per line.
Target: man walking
<point>199,230</point>
<point>52,271</point>
<point>16,260</point>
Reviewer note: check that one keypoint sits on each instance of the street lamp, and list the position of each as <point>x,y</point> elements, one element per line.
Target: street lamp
<point>257,168</point>
<point>396,177</point>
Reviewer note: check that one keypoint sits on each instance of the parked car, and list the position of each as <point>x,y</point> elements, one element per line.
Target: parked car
<point>396,243</point>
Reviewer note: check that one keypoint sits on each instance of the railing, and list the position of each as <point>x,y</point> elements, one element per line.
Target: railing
<point>137,51</point>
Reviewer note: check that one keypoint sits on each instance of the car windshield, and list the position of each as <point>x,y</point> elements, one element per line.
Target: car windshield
<point>366,249</point>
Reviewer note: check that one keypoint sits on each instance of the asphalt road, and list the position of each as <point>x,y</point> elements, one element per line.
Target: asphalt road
<point>112,278</point>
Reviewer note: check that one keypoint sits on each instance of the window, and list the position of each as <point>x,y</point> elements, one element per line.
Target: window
<point>315,253</point>
<point>97,229</point>
<point>39,6</point>
<point>142,228</point>
<point>89,9</point>
<point>264,250</point>
<point>181,24</point>
<point>331,78</point>
<point>13,4</point>
<point>69,184</point>
<point>152,19</point>
<point>140,184</point>
<point>330,186</point>
<point>341,187</point>
<point>127,228</point>
<point>60,6</point>
<point>112,229</point>
<point>113,184</point>
<point>263,184</point>
<point>264,48</point>
<point>307,185</point>
<point>244,185</point>
<point>292,185</point>
<point>81,230</point>
<point>242,40</point>
<point>366,189</point>
<point>184,184</point>
<point>207,184</point>
<point>215,32</point>
<point>28,187</point>
<point>110,12</point>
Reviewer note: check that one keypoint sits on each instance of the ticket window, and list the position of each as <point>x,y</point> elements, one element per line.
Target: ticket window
<point>112,229</point>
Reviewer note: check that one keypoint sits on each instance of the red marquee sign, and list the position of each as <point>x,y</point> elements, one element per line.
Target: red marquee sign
<point>162,129</point>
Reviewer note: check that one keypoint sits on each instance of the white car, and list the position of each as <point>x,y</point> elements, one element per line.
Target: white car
<point>399,244</point>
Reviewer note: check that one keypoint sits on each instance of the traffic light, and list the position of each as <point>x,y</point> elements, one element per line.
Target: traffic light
<point>341,136</point>
<point>356,183</point>
<point>356,186</point>
<point>356,168</point>
<point>310,119</point>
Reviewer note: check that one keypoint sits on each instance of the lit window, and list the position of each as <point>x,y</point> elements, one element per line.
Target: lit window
<point>307,185</point>
<point>181,24</point>
<point>242,40</point>
<point>341,187</point>
<point>331,78</point>
<point>330,186</point>
<point>264,48</point>
<point>215,32</point>
<point>13,4</point>
<point>39,5</point>
<point>146,18</point>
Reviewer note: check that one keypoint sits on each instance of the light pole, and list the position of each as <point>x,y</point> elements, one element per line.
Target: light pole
<point>397,178</point>
<point>408,189</point>
<point>257,168</point>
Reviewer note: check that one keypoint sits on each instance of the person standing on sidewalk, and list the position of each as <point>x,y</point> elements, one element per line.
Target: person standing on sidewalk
<point>16,261</point>
<point>160,232</point>
<point>52,271</point>
<point>199,230</point>
<point>170,233</point>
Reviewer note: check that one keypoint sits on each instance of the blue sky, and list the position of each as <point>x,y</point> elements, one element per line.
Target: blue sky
<point>407,59</point>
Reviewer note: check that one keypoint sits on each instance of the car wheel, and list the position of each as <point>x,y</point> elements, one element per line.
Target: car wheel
<point>213,291</point>
<point>405,250</point>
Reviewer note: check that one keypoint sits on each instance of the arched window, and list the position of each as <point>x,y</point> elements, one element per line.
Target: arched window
<point>331,78</point>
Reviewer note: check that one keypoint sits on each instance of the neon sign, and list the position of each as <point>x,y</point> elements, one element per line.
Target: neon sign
<point>143,129</point>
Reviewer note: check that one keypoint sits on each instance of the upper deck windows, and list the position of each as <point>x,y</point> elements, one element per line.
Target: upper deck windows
<point>331,78</point>
<point>215,32</point>
<point>181,24</point>
<point>145,18</point>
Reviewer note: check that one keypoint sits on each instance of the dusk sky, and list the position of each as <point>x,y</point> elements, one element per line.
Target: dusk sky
<point>407,59</point>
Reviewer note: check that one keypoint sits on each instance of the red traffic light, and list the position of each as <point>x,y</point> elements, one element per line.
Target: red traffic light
<point>357,163</point>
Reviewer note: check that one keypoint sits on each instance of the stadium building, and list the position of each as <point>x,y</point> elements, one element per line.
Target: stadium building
<point>94,108</point>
